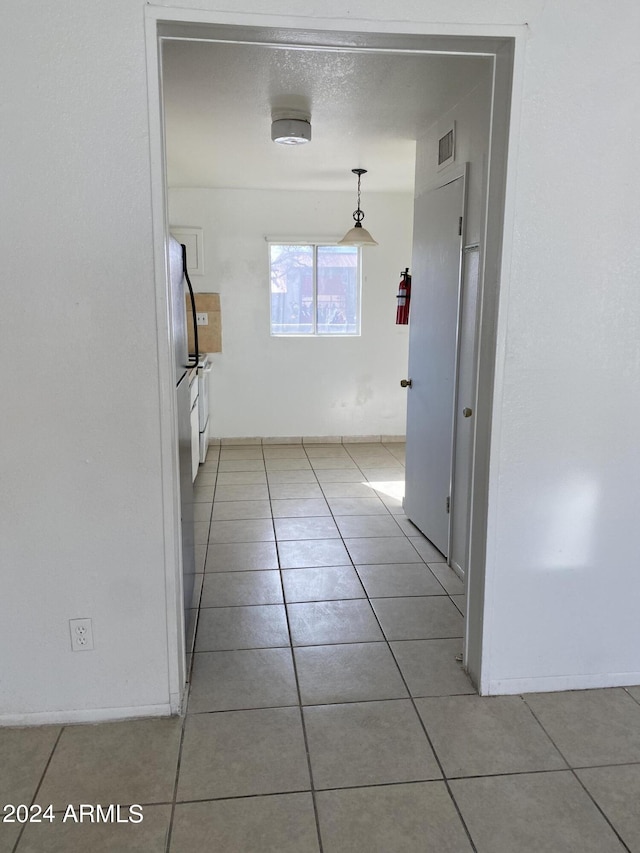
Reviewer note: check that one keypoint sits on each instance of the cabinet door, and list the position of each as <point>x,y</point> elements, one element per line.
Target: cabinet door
<point>195,440</point>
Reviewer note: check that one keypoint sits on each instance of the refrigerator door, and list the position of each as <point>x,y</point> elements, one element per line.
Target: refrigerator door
<point>178,308</point>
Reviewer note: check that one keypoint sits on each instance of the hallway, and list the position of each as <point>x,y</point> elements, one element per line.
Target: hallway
<point>327,711</point>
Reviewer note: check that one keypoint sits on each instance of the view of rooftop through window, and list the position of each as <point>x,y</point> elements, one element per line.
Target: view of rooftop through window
<point>315,289</point>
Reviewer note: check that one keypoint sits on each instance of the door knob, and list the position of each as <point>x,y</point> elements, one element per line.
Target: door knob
<point>467,412</point>
<point>405,383</point>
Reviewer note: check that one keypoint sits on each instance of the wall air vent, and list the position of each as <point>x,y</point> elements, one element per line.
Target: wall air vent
<point>446,148</point>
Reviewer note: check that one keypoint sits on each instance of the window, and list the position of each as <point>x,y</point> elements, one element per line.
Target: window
<point>315,289</point>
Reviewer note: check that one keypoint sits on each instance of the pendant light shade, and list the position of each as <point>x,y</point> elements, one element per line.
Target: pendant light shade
<point>358,236</point>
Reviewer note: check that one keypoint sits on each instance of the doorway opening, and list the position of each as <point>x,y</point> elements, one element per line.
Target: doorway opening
<point>347,46</point>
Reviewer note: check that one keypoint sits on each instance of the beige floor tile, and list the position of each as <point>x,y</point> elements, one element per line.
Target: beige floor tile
<point>418,618</point>
<point>200,557</point>
<point>617,791</point>
<point>233,589</point>
<point>243,753</point>
<point>309,553</point>
<point>229,628</point>
<point>382,550</point>
<point>326,451</point>
<point>283,823</point>
<point>348,490</point>
<point>242,478</point>
<point>289,491</point>
<point>239,510</point>
<point>241,493</point>
<point>427,551</point>
<point>306,528</point>
<point>336,463</point>
<point>340,475</point>
<point>228,681</point>
<point>368,743</point>
<point>635,692</point>
<point>231,465</point>
<point>326,583</point>
<point>9,833</point>
<point>235,452</point>
<point>275,451</point>
<point>128,762</point>
<point>330,622</point>
<point>430,667</point>
<point>201,532</point>
<point>300,508</point>
<point>291,464</point>
<point>460,602</point>
<point>446,576</point>
<point>203,494</point>
<point>591,726</point>
<point>202,512</point>
<point>414,818</point>
<point>359,526</point>
<point>245,530</point>
<point>479,736</point>
<point>384,475</point>
<point>147,836</point>
<point>357,506</point>
<point>23,756</point>
<point>241,557</point>
<point>284,477</point>
<point>533,813</point>
<point>206,478</point>
<point>398,580</point>
<point>348,673</point>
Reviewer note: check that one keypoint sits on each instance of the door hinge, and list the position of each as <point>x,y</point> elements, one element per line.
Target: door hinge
<point>448,504</point>
<point>460,227</point>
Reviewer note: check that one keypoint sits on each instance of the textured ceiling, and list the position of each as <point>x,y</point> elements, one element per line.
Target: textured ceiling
<point>366,111</point>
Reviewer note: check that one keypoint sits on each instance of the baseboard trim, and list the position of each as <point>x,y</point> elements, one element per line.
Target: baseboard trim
<point>311,439</point>
<point>92,715</point>
<point>557,683</point>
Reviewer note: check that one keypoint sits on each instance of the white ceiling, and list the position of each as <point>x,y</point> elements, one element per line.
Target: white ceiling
<point>367,110</point>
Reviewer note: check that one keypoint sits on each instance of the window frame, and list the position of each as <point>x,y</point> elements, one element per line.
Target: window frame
<point>316,244</point>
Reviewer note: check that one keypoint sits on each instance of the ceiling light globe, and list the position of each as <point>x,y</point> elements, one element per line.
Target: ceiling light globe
<point>291,131</point>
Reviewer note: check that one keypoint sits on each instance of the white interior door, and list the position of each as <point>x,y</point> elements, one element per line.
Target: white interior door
<point>464,412</point>
<point>433,336</point>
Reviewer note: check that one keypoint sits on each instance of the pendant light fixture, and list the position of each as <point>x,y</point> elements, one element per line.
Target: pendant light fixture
<point>358,236</point>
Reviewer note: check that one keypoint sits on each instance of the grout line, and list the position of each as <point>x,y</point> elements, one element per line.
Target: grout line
<point>175,783</point>
<point>36,792</point>
<point>300,707</point>
<point>572,770</point>
<point>429,741</point>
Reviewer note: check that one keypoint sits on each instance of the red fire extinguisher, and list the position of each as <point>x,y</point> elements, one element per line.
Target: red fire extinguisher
<point>404,298</point>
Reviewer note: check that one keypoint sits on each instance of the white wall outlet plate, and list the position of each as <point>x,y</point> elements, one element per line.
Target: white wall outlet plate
<point>81,635</point>
<point>202,319</point>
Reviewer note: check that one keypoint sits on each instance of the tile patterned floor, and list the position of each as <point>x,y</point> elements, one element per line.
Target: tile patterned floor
<point>327,712</point>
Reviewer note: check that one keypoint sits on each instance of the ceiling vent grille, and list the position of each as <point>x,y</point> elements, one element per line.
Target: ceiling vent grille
<point>446,148</point>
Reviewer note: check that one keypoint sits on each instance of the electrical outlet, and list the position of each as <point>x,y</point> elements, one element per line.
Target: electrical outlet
<point>81,635</point>
<point>202,319</point>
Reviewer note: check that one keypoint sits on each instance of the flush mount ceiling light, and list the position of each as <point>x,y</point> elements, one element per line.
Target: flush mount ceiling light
<point>358,236</point>
<point>291,127</point>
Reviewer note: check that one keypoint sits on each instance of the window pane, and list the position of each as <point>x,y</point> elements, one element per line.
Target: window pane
<point>292,309</point>
<point>338,291</point>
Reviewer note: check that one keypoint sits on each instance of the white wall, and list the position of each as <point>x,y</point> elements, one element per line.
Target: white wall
<point>272,386</point>
<point>81,499</point>
<point>472,116</point>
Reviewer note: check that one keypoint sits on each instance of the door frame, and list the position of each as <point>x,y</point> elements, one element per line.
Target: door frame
<point>505,44</point>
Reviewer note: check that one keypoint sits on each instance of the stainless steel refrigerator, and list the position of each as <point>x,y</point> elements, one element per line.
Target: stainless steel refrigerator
<point>179,319</point>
